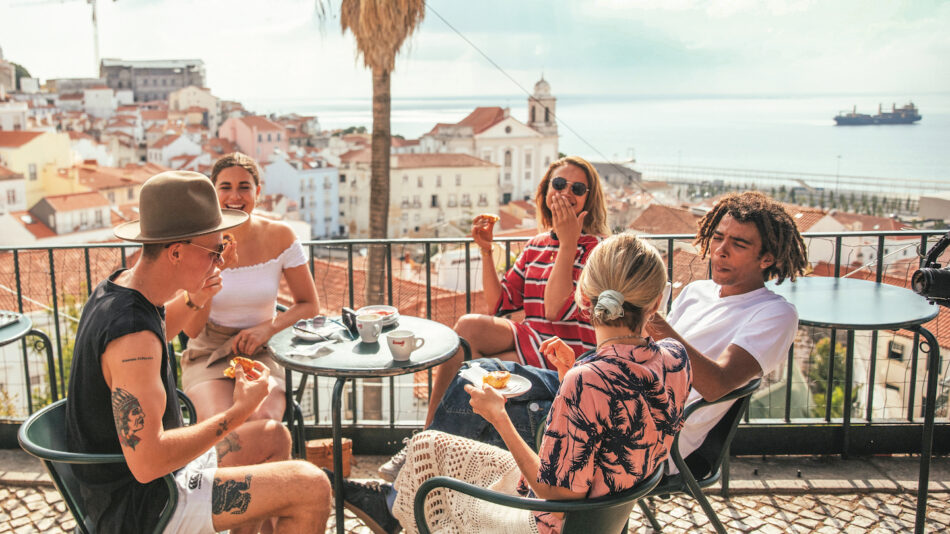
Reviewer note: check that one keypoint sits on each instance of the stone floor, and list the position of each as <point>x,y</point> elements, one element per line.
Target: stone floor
<point>768,496</point>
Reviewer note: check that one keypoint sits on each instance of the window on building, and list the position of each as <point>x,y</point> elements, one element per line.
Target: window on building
<point>895,350</point>
<point>438,180</point>
<point>83,217</point>
<point>527,176</point>
<point>405,178</point>
<point>268,137</point>
<point>419,181</point>
<point>466,199</point>
<point>482,199</point>
<point>278,137</point>
<point>32,172</point>
<point>452,200</point>
<point>11,197</point>
<point>98,217</point>
<point>130,194</point>
<point>507,176</point>
<point>260,138</point>
<point>527,159</point>
<point>547,162</point>
<point>507,159</point>
<point>458,179</point>
<point>342,178</point>
<point>416,202</point>
<point>303,202</point>
<point>435,201</point>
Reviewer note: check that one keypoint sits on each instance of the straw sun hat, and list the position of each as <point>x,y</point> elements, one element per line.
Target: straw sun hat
<point>178,205</point>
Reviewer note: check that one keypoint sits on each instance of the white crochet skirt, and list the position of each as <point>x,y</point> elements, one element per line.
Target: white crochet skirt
<point>433,453</point>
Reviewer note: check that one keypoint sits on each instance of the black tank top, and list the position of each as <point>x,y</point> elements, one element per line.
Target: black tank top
<point>115,501</point>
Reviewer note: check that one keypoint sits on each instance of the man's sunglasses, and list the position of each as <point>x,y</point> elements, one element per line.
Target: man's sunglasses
<point>578,188</point>
<point>216,255</point>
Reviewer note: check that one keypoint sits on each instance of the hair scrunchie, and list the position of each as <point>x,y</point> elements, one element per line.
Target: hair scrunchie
<point>609,305</point>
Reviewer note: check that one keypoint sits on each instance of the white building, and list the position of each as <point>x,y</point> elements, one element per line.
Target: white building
<point>427,192</point>
<point>197,97</point>
<point>86,148</point>
<point>13,115</point>
<point>522,151</point>
<point>313,184</point>
<point>171,146</point>
<point>100,101</point>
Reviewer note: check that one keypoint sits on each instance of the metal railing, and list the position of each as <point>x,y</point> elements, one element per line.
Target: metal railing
<point>437,279</point>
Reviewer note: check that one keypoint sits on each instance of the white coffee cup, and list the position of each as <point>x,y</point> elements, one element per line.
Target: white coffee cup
<point>369,326</point>
<point>402,343</point>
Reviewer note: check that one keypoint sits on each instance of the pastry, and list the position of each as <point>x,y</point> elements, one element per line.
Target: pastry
<point>497,379</point>
<point>249,366</point>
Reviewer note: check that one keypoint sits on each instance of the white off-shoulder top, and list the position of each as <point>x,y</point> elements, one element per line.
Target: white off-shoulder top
<point>249,294</point>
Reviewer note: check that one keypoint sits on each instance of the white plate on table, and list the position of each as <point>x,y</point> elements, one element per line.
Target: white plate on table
<point>517,385</point>
<point>390,314</point>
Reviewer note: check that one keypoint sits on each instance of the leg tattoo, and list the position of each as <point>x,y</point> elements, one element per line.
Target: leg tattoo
<point>230,496</point>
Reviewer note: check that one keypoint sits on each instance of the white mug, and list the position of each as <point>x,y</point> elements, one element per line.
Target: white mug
<point>369,326</point>
<point>402,343</point>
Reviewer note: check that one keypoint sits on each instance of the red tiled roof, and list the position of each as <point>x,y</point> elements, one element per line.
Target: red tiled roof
<point>397,142</point>
<point>76,201</point>
<point>415,161</point>
<point>99,178</point>
<point>658,219</point>
<point>481,119</point>
<point>218,146</point>
<point>804,217</point>
<point>154,115</point>
<point>17,138</point>
<point>361,155</point>
<point>76,136</point>
<point>7,174</point>
<point>71,96</point>
<point>39,230</point>
<point>165,141</point>
<point>857,222</point>
<point>260,123</point>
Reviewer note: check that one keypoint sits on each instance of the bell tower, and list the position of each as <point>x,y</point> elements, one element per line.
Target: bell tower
<point>541,109</point>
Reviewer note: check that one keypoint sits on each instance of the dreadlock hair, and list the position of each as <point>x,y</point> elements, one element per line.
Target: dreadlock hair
<point>780,236</point>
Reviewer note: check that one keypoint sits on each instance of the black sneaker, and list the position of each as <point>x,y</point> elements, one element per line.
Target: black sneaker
<point>368,501</point>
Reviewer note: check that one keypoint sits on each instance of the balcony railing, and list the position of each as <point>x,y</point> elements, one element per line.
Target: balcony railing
<point>797,411</point>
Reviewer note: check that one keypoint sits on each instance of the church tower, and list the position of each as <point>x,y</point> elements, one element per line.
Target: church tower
<point>541,109</point>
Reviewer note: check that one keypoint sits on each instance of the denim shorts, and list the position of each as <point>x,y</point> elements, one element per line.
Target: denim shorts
<point>527,412</point>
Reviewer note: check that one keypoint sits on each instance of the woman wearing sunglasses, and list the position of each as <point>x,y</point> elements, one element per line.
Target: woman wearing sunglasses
<point>572,218</point>
<point>238,316</point>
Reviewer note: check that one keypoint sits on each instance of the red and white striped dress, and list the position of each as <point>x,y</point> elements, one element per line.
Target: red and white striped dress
<point>523,287</point>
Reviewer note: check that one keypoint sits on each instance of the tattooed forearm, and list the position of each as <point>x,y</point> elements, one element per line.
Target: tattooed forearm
<point>222,428</point>
<point>230,496</point>
<point>129,417</point>
<point>138,358</point>
<point>231,443</point>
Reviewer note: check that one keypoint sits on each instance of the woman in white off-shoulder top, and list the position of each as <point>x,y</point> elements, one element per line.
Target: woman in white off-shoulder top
<point>240,317</point>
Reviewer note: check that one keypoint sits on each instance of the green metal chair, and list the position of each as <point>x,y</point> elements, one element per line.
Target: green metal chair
<point>703,467</point>
<point>44,435</point>
<point>603,515</point>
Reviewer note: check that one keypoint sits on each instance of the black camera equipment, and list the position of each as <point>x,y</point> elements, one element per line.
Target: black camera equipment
<point>930,280</point>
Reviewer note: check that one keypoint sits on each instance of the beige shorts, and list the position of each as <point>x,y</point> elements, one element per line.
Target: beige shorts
<point>209,354</point>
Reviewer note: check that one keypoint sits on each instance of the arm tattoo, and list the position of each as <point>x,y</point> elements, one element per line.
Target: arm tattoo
<point>222,428</point>
<point>230,496</point>
<point>137,358</point>
<point>231,443</point>
<point>129,417</point>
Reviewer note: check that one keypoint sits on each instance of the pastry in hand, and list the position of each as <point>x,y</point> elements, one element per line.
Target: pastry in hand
<point>488,218</point>
<point>249,366</point>
<point>497,379</point>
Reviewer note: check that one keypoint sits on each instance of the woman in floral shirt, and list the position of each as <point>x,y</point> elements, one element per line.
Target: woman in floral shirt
<point>611,424</point>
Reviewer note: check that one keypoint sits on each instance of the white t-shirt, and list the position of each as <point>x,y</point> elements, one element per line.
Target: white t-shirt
<point>761,322</point>
<point>249,294</point>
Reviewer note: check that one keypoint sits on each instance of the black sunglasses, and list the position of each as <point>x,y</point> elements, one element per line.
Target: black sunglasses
<point>578,188</point>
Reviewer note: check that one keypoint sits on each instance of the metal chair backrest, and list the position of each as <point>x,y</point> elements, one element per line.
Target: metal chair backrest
<point>44,436</point>
<point>615,511</point>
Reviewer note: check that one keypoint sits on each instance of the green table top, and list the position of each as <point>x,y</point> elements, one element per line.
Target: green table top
<point>854,304</point>
<point>16,330</point>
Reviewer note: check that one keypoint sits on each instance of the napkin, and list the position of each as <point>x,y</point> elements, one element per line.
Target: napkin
<point>310,351</point>
<point>474,373</point>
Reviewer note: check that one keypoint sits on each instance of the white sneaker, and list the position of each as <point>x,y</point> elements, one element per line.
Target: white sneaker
<point>389,470</point>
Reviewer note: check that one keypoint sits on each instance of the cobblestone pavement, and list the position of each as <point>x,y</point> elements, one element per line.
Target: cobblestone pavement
<point>31,509</point>
<point>873,500</point>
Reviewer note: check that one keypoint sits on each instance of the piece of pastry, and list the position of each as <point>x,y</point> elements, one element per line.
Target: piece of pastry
<point>249,366</point>
<point>488,217</point>
<point>497,379</point>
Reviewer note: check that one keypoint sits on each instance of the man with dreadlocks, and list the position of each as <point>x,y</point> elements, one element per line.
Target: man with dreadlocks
<point>733,327</point>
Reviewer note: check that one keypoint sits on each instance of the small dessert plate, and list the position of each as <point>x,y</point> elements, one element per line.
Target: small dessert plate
<point>517,385</point>
<point>390,314</point>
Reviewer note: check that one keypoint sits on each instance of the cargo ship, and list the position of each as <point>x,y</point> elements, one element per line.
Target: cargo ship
<point>904,115</point>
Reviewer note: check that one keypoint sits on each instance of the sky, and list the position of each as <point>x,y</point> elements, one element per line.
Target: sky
<point>282,49</point>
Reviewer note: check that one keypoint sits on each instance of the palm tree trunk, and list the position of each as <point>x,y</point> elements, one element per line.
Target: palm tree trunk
<point>378,222</point>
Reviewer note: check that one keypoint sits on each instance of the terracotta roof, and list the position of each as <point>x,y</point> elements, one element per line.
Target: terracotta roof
<point>39,230</point>
<point>857,222</point>
<point>76,201</point>
<point>415,161</point>
<point>99,178</point>
<point>70,272</point>
<point>165,141</point>
<point>527,206</point>
<point>804,217</point>
<point>7,174</point>
<point>154,115</point>
<point>218,146</point>
<point>361,155</point>
<point>658,219</point>
<point>71,96</point>
<point>260,123</point>
<point>127,108</point>
<point>481,119</point>
<point>17,138</point>
<point>397,142</point>
<point>76,136</point>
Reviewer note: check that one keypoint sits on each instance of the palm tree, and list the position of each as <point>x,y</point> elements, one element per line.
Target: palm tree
<point>380,28</point>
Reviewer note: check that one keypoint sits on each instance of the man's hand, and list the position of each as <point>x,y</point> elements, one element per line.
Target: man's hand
<point>247,341</point>
<point>560,354</point>
<point>657,328</point>
<point>210,288</point>
<point>487,402</point>
<point>250,393</point>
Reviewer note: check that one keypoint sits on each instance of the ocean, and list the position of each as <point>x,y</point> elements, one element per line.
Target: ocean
<point>761,133</point>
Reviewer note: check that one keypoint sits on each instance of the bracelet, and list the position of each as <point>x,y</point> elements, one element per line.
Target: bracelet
<point>191,304</point>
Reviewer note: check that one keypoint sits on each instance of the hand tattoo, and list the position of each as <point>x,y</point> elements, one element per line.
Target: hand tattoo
<point>129,417</point>
<point>230,496</point>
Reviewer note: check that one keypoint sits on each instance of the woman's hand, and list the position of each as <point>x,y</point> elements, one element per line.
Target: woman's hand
<point>560,354</point>
<point>483,232</point>
<point>487,402</point>
<point>247,341</point>
<point>567,225</point>
<point>230,255</point>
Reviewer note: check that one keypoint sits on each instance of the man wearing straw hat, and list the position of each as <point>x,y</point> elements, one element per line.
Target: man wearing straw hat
<point>122,396</point>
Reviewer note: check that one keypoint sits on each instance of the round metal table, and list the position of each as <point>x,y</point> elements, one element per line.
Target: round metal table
<point>352,358</point>
<point>851,305</point>
<point>20,328</point>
